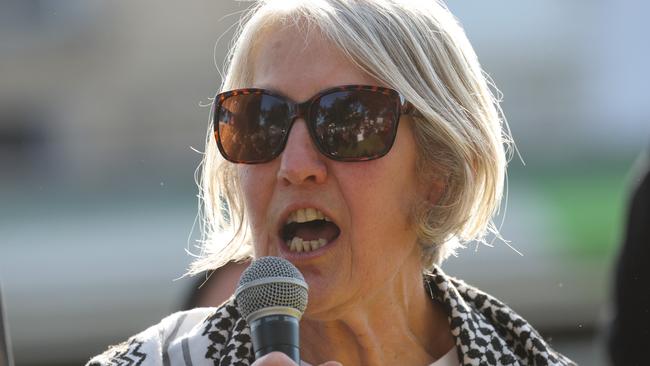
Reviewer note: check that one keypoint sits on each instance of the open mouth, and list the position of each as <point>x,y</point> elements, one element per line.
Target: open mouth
<point>308,229</point>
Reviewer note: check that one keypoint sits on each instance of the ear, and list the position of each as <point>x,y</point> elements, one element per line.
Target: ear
<point>436,187</point>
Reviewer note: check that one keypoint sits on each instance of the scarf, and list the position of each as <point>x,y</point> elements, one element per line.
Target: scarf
<point>486,332</point>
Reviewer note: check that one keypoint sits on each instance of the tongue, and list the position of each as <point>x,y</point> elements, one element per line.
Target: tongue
<point>315,230</point>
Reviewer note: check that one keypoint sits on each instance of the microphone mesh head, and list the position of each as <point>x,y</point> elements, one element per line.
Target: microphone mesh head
<point>271,282</point>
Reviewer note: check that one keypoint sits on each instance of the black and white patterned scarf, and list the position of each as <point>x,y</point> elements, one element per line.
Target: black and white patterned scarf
<point>487,332</point>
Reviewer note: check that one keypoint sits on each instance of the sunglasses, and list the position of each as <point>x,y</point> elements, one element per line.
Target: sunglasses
<point>346,123</point>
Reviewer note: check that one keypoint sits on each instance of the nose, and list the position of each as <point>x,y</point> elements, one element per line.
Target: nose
<point>301,162</point>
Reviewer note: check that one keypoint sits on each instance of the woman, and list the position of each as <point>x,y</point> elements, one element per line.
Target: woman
<point>360,141</point>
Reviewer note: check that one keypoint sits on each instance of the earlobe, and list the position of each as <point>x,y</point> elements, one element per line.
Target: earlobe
<point>436,187</point>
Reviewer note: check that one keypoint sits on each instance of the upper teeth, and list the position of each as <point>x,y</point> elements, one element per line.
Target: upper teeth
<point>305,215</point>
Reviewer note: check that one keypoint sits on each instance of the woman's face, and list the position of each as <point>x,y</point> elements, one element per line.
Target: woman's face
<point>369,202</point>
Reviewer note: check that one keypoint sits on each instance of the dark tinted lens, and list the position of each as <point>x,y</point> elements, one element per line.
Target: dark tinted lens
<point>252,127</point>
<point>355,125</point>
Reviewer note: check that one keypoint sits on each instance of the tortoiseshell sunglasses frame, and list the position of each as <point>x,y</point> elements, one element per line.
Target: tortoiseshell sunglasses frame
<point>301,110</point>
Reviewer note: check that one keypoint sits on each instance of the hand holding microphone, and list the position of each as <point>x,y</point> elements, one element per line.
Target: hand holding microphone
<point>280,359</point>
<point>272,296</point>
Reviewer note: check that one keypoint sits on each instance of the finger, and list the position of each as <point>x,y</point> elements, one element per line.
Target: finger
<point>328,363</point>
<point>274,359</point>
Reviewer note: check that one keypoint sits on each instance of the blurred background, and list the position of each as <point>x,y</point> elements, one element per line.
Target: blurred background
<point>102,106</point>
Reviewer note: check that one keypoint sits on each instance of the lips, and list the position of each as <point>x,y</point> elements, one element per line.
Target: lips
<point>308,229</point>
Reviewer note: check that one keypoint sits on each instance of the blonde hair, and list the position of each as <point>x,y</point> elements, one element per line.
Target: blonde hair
<point>417,48</point>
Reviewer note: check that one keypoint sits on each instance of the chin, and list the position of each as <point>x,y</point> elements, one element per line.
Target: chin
<point>326,299</point>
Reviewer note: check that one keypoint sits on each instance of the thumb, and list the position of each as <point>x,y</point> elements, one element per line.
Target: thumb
<point>274,359</point>
<point>328,363</point>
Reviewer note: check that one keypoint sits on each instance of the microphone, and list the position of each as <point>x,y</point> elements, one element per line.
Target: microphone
<point>272,296</point>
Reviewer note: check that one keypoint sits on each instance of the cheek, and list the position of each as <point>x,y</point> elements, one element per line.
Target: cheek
<point>381,198</point>
<point>246,186</point>
<point>256,188</point>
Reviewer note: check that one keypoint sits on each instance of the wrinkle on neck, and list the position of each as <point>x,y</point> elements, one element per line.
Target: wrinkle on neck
<point>400,324</point>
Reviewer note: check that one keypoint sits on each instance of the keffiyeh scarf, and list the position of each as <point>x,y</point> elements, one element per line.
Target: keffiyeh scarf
<point>486,331</point>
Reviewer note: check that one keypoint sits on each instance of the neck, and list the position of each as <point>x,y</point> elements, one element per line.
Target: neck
<point>399,324</point>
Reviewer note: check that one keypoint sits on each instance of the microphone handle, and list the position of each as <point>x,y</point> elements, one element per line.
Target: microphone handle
<point>276,333</point>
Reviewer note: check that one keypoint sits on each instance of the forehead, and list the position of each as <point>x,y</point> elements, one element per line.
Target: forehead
<point>301,63</point>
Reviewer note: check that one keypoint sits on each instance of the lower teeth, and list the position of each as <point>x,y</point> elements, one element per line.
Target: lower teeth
<point>299,245</point>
